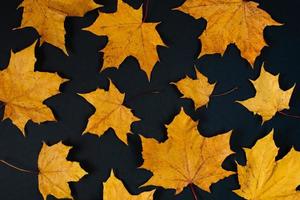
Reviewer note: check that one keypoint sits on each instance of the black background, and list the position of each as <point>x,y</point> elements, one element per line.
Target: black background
<point>99,155</point>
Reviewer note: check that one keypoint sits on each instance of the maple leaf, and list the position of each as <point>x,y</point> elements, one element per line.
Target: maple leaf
<point>48,17</point>
<point>127,35</point>
<point>264,178</point>
<point>231,21</point>
<point>198,90</point>
<point>269,97</point>
<point>110,113</point>
<point>113,188</point>
<point>186,157</point>
<point>55,171</point>
<point>23,90</point>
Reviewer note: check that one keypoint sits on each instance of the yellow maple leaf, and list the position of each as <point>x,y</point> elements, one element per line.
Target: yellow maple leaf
<point>240,22</point>
<point>186,157</point>
<point>269,97</point>
<point>55,171</point>
<point>113,188</point>
<point>198,90</point>
<point>110,113</point>
<point>23,90</point>
<point>264,178</point>
<point>127,35</point>
<point>48,17</point>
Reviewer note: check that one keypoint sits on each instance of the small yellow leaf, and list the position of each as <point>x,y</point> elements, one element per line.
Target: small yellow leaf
<point>48,17</point>
<point>269,98</point>
<point>114,189</point>
<point>110,113</point>
<point>127,35</point>
<point>23,90</point>
<point>55,171</point>
<point>240,22</point>
<point>198,90</point>
<point>264,178</point>
<point>186,157</point>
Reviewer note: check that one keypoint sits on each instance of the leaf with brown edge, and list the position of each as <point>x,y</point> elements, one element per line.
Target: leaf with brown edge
<point>264,177</point>
<point>198,90</point>
<point>55,171</point>
<point>238,22</point>
<point>269,98</point>
<point>24,90</point>
<point>113,188</point>
<point>186,157</point>
<point>110,113</point>
<point>48,17</point>
<point>127,36</point>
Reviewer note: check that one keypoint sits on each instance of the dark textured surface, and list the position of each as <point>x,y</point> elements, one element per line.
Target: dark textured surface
<point>99,155</point>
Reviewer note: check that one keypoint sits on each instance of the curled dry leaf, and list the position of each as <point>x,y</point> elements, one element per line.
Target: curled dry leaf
<point>113,188</point>
<point>110,113</point>
<point>239,22</point>
<point>127,36</point>
<point>269,97</point>
<point>198,90</point>
<point>55,171</point>
<point>48,17</point>
<point>264,178</point>
<point>186,157</point>
<point>23,90</point>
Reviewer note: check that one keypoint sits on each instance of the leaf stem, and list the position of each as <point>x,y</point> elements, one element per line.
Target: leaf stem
<point>17,168</point>
<point>146,10</point>
<point>193,191</point>
<point>288,115</point>
<point>225,93</point>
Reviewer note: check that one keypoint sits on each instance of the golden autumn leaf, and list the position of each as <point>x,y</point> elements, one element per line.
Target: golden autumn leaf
<point>55,171</point>
<point>23,90</point>
<point>186,157</point>
<point>113,188</point>
<point>264,178</point>
<point>48,17</point>
<point>198,90</point>
<point>110,113</point>
<point>269,98</point>
<point>127,36</point>
<point>238,22</point>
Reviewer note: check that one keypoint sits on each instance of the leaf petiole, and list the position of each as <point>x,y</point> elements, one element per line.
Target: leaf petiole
<point>17,168</point>
<point>193,191</point>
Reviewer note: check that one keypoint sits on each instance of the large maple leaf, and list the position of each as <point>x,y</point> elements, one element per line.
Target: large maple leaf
<point>55,171</point>
<point>264,178</point>
<point>48,17</point>
<point>269,98</point>
<point>127,36</point>
<point>240,22</point>
<point>113,188</point>
<point>110,113</point>
<point>186,157</point>
<point>23,90</point>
